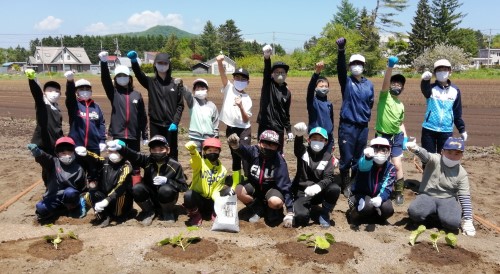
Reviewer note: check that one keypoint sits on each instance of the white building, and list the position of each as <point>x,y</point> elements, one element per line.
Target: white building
<point>487,57</point>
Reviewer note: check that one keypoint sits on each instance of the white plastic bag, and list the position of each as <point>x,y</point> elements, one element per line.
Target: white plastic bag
<point>226,208</point>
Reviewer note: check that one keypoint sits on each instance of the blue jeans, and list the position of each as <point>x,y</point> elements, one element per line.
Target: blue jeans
<point>69,198</point>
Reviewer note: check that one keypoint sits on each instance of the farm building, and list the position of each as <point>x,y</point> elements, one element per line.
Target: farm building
<point>487,57</point>
<point>56,59</point>
<point>211,66</point>
<point>10,67</point>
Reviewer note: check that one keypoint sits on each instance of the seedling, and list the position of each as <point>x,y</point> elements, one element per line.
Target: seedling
<point>450,238</point>
<point>435,237</point>
<point>415,233</point>
<point>319,242</point>
<point>58,238</point>
<point>180,240</point>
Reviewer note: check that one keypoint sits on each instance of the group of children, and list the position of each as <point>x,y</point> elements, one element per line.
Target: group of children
<point>78,178</point>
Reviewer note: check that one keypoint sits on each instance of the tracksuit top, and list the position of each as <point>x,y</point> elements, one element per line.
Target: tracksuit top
<point>128,114</point>
<point>48,120</point>
<point>444,107</point>
<point>87,124</point>
<point>319,109</point>
<point>203,117</point>
<point>275,100</point>
<point>357,96</point>
<point>165,103</point>
<point>208,179</point>
<point>374,180</point>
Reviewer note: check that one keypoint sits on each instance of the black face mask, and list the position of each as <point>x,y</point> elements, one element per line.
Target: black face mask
<point>395,91</point>
<point>212,157</point>
<point>268,153</point>
<point>158,157</point>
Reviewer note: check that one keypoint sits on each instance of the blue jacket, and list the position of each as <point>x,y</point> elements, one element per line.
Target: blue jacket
<point>357,96</point>
<point>374,180</point>
<point>319,109</point>
<point>444,107</point>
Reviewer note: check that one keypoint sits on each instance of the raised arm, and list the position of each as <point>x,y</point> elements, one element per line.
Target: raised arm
<point>222,71</point>
<point>71,101</point>
<point>386,85</point>
<point>341,66</point>
<point>107,82</point>
<point>141,77</point>
<point>266,80</point>
<point>312,83</point>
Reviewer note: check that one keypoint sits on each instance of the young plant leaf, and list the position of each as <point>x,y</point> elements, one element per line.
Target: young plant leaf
<point>415,233</point>
<point>304,237</point>
<point>165,241</point>
<point>322,243</point>
<point>451,239</point>
<point>329,237</point>
<point>192,228</point>
<point>72,235</point>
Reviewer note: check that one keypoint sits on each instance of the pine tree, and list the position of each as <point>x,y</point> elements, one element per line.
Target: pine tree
<point>385,19</point>
<point>208,41</point>
<point>347,15</point>
<point>445,18</point>
<point>230,39</point>
<point>371,46</point>
<point>421,29</point>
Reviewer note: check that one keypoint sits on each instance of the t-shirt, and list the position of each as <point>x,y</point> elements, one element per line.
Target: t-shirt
<point>440,181</point>
<point>390,113</point>
<point>230,114</point>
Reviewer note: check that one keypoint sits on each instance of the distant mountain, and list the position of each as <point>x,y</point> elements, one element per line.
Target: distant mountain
<point>161,30</point>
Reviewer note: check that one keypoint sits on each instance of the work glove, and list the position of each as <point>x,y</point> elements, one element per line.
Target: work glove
<point>172,127</point>
<point>426,76</point>
<point>361,204</point>
<point>464,135</point>
<point>115,145</point>
<point>267,50</point>
<point>179,82</point>
<point>226,191</point>
<point>98,207</point>
<point>300,129</point>
<point>35,151</point>
<point>132,55</point>
<point>160,180</point>
<point>405,142</point>
<point>376,201</point>
<point>312,190</point>
<point>288,220</point>
<point>70,76</point>
<point>290,137</point>
<point>392,61</point>
<point>341,43</point>
<point>233,141</point>
<point>412,146</point>
<point>468,228</point>
<point>30,73</point>
<point>145,142</point>
<point>81,151</point>
<point>191,146</point>
<point>102,147</point>
<point>103,56</point>
<point>369,152</point>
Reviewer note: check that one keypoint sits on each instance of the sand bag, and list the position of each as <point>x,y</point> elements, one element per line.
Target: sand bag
<point>226,208</point>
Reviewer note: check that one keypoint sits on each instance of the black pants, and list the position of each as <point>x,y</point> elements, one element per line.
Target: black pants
<point>158,194</point>
<point>302,205</point>
<point>171,138</point>
<point>116,208</point>
<point>193,199</point>
<point>245,135</point>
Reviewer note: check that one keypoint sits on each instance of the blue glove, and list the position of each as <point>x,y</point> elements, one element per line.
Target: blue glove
<point>35,151</point>
<point>121,143</point>
<point>392,61</point>
<point>405,140</point>
<point>132,55</point>
<point>172,127</point>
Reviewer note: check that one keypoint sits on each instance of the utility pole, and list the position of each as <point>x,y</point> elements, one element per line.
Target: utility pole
<point>274,45</point>
<point>62,53</point>
<point>41,57</point>
<point>489,50</point>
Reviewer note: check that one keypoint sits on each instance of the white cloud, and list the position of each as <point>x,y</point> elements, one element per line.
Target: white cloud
<point>97,28</point>
<point>49,23</point>
<point>149,19</point>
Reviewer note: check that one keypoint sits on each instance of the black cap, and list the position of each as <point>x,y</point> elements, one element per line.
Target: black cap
<point>158,140</point>
<point>52,84</point>
<point>280,64</point>
<point>162,57</point>
<point>243,72</point>
<point>398,78</point>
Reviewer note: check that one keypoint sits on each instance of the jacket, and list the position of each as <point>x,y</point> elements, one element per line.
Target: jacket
<point>128,114</point>
<point>204,117</point>
<point>208,179</point>
<point>374,180</point>
<point>319,109</point>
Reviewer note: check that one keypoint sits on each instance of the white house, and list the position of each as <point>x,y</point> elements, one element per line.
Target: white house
<point>212,67</point>
<point>55,59</point>
<point>494,57</point>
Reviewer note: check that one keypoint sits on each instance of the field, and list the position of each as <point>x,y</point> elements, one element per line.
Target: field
<point>130,248</point>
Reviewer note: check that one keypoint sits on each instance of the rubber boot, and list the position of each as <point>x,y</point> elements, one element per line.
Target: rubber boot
<point>345,183</point>
<point>257,208</point>
<point>236,177</point>
<point>105,222</point>
<point>83,208</point>
<point>324,216</point>
<point>167,212</point>
<point>147,214</point>
<point>399,198</point>
<point>195,218</point>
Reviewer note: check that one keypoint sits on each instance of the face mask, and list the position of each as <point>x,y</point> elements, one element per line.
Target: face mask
<point>450,163</point>
<point>122,81</point>
<point>158,157</point>
<point>162,68</point>
<point>321,92</point>
<point>317,145</point>
<point>268,153</point>
<point>115,157</point>
<point>84,95</point>
<point>240,85</point>
<point>442,76</point>
<point>395,91</point>
<point>67,159</point>
<point>380,158</point>
<point>52,96</point>
<point>200,94</point>
<point>212,157</point>
<point>280,79</point>
<point>356,70</point>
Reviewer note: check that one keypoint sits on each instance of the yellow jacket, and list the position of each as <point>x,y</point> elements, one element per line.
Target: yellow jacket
<point>208,179</point>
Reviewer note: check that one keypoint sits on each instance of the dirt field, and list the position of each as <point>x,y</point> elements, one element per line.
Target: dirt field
<point>130,248</point>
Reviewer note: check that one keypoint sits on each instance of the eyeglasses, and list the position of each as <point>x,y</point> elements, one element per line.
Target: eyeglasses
<point>382,149</point>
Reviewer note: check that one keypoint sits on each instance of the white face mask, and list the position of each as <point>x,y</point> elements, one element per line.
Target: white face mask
<point>162,68</point>
<point>380,158</point>
<point>240,85</point>
<point>52,96</point>
<point>122,81</point>
<point>115,157</point>
<point>356,70</point>
<point>442,76</point>
<point>449,163</point>
<point>200,94</point>
<point>84,94</point>
<point>317,145</point>
<point>67,159</point>
<point>280,79</point>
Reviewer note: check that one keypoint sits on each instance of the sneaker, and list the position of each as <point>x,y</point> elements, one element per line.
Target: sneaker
<point>274,215</point>
<point>255,218</point>
<point>168,217</point>
<point>146,217</point>
<point>195,218</point>
<point>105,222</point>
<point>324,219</point>
<point>399,199</point>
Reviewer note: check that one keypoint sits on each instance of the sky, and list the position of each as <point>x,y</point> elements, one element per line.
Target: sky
<point>287,22</point>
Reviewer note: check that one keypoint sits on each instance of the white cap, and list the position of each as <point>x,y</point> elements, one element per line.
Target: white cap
<point>380,141</point>
<point>442,63</point>
<point>200,80</point>
<point>81,83</point>
<point>122,69</point>
<point>357,57</point>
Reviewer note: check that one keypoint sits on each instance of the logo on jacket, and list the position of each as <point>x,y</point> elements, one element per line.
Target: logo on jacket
<point>92,115</point>
<point>268,173</point>
<point>135,101</point>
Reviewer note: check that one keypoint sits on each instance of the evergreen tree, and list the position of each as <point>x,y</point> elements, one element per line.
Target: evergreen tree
<point>310,43</point>
<point>370,47</point>
<point>230,39</point>
<point>445,18</point>
<point>347,15</point>
<point>421,29</point>
<point>385,20</point>
<point>208,41</point>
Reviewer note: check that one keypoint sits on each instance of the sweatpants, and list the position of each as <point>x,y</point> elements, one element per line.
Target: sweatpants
<point>448,210</point>
<point>302,205</point>
<point>352,141</point>
<point>116,208</point>
<point>433,141</point>
<point>193,199</point>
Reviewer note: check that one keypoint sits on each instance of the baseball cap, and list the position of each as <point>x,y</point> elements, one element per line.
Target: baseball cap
<point>200,80</point>
<point>162,57</point>
<point>82,83</point>
<point>64,143</point>
<point>453,143</point>
<point>243,72</point>
<point>158,140</point>
<point>442,63</point>
<point>380,141</point>
<point>122,69</point>
<point>319,130</point>
<point>357,57</point>
<point>398,78</point>
<point>52,84</point>
<point>280,64</point>
<point>270,136</point>
<point>212,142</point>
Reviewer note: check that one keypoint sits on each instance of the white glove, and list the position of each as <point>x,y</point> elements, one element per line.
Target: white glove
<point>376,201</point>
<point>468,228</point>
<point>102,147</point>
<point>361,204</point>
<point>369,152</point>
<point>114,145</point>
<point>178,81</point>
<point>160,180</point>
<point>312,190</point>
<point>145,142</point>
<point>290,137</point>
<point>103,55</point>
<point>98,207</point>
<point>69,75</point>
<point>81,151</point>
<point>411,146</point>
<point>300,129</point>
<point>267,50</point>
<point>233,141</point>
<point>464,136</point>
<point>426,76</point>
<point>288,220</point>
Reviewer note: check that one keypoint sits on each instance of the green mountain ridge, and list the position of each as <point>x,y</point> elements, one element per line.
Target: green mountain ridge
<point>160,30</point>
